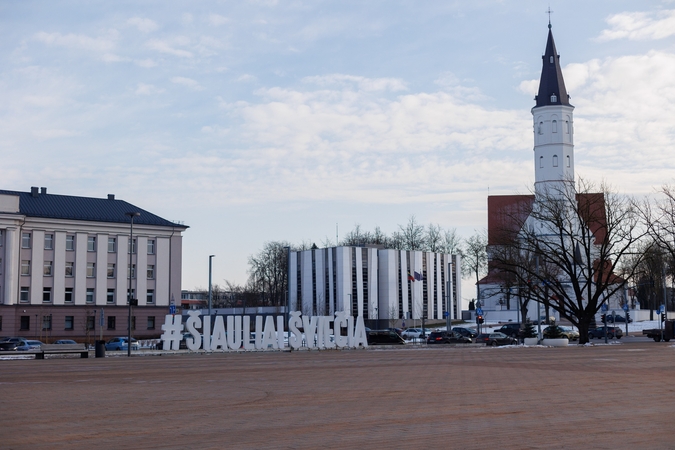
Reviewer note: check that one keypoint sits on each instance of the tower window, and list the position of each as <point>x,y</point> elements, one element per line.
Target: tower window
<point>540,128</point>
<point>541,162</point>
<point>551,59</point>
<point>555,160</point>
<point>554,126</point>
<point>567,126</point>
<point>554,98</point>
<point>568,160</point>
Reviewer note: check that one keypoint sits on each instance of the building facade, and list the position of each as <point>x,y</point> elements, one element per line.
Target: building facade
<point>64,262</point>
<point>378,284</point>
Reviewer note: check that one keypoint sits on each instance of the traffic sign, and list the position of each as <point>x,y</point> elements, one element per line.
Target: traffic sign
<point>662,309</point>
<point>446,314</point>
<point>479,311</point>
<point>604,307</point>
<point>625,307</point>
<point>172,309</point>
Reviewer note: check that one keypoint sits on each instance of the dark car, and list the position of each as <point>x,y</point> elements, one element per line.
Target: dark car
<point>495,339</point>
<point>561,332</point>
<point>466,332</point>
<point>510,329</point>
<point>13,344</point>
<point>65,341</point>
<point>396,330</point>
<point>120,343</point>
<point>443,337</point>
<point>388,337</point>
<point>599,333</point>
<point>617,319</point>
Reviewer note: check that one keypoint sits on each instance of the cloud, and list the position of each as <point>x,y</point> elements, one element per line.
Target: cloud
<point>637,26</point>
<point>147,89</point>
<point>217,20</point>
<point>77,41</point>
<point>54,133</point>
<point>361,83</point>
<point>143,25</point>
<point>188,82</point>
<point>246,78</point>
<point>168,47</point>
<point>147,63</point>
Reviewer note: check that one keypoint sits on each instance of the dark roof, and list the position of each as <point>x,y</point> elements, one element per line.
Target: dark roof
<point>51,206</point>
<point>551,81</point>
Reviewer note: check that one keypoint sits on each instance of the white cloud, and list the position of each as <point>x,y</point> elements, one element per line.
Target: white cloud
<point>217,20</point>
<point>362,83</point>
<point>77,41</point>
<point>147,63</point>
<point>639,26</point>
<point>147,89</point>
<point>188,82</point>
<point>168,47</point>
<point>246,78</point>
<point>54,133</point>
<point>143,25</point>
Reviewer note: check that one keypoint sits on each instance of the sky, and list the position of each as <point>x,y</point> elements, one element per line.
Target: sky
<point>263,120</point>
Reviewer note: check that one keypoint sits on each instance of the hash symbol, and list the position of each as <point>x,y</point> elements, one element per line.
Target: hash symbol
<point>173,329</point>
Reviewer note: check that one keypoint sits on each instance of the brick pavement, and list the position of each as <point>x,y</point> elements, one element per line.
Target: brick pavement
<point>617,396</point>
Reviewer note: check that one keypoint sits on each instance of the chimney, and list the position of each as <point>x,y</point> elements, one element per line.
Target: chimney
<point>43,190</point>
<point>34,191</point>
<point>111,196</point>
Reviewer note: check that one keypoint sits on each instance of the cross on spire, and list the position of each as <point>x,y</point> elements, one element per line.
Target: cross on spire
<point>549,11</point>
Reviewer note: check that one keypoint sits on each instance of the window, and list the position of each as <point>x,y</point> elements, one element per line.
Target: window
<point>47,269</point>
<point>540,128</point>
<point>70,322</point>
<point>91,322</point>
<point>68,296</point>
<point>49,241</point>
<point>25,323</point>
<point>131,248</point>
<point>110,299</point>
<point>25,240</point>
<point>151,272</point>
<point>91,243</point>
<point>69,268</point>
<point>111,270</point>
<point>112,245</point>
<point>90,295</point>
<point>70,242</point>
<point>567,126</point>
<point>46,295</point>
<point>46,322</point>
<point>132,271</point>
<point>555,160</point>
<point>554,126</point>
<point>568,160</point>
<point>554,98</point>
<point>23,296</point>
<point>541,162</point>
<point>151,246</point>
<point>151,322</point>
<point>25,267</point>
<point>91,270</point>
<point>150,297</point>
<point>111,322</point>
<point>551,59</point>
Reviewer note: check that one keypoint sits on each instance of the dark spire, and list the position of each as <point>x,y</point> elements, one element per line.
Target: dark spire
<point>551,85</point>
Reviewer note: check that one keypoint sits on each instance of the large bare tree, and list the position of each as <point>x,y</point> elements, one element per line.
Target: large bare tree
<point>567,250</point>
<point>474,259</point>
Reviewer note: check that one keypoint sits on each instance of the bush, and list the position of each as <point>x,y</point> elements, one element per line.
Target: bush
<point>529,331</point>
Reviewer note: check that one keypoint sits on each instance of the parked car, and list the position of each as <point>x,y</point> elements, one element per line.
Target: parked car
<point>396,330</point>
<point>564,332</point>
<point>384,337</point>
<point>65,341</point>
<point>14,344</point>
<point>443,337</point>
<point>495,339</point>
<point>120,343</point>
<point>414,333</point>
<point>34,344</point>
<point>465,331</point>
<point>510,329</point>
<point>617,319</point>
<point>599,333</point>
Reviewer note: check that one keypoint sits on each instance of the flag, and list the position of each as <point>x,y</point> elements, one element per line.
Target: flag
<point>418,276</point>
<point>410,277</point>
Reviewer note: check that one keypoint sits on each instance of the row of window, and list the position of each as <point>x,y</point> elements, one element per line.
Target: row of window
<point>91,269</point>
<point>554,127</point>
<point>24,295</point>
<point>554,161</point>
<point>91,243</point>
<point>69,323</point>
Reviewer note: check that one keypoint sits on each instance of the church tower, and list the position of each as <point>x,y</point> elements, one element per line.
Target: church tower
<point>553,128</point>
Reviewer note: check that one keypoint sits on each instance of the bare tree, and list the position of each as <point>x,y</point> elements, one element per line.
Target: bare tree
<point>412,235</point>
<point>567,250</point>
<point>434,238</point>
<point>452,244</point>
<point>474,260</point>
<point>268,273</point>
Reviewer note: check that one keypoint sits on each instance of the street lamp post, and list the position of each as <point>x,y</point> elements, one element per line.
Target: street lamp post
<point>210,291</point>
<point>129,299</point>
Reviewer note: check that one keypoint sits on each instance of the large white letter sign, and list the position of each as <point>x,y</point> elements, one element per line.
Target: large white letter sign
<point>219,339</point>
<point>309,325</point>
<point>340,321</point>
<point>246,337</point>
<point>193,321</point>
<point>295,339</point>
<point>360,335</point>
<point>270,334</point>
<point>234,332</point>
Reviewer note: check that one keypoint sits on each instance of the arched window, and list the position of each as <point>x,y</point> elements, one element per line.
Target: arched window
<point>555,160</point>
<point>554,98</point>
<point>567,126</point>
<point>540,128</point>
<point>551,59</point>
<point>554,126</point>
<point>541,162</point>
<point>568,160</point>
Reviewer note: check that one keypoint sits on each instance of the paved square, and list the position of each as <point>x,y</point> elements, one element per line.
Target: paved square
<point>617,396</point>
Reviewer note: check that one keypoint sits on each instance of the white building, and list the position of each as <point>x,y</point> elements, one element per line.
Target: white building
<point>375,283</point>
<point>63,259</point>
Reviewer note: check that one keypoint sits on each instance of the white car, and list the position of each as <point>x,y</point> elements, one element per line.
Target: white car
<point>414,333</point>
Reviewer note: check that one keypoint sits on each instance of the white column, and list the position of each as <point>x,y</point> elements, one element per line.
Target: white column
<point>358,261</point>
<point>101,269</point>
<point>161,271</point>
<point>121,264</point>
<point>37,262</point>
<point>404,282</point>
<point>331,281</point>
<point>80,268</point>
<point>141,281</point>
<point>12,266</point>
<point>293,282</point>
<point>373,294</point>
<point>59,268</point>
<point>319,259</point>
<point>307,282</point>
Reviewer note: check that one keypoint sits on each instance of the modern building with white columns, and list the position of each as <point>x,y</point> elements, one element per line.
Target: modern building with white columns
<point>375,283</point>
<point>64,259</point>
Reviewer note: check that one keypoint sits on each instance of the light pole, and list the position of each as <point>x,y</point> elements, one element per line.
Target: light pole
<point>210,291</point>
<point>288,293</point>
<point>129,299</point>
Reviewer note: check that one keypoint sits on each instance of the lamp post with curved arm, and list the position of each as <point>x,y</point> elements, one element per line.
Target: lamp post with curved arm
<point>131,215</point>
